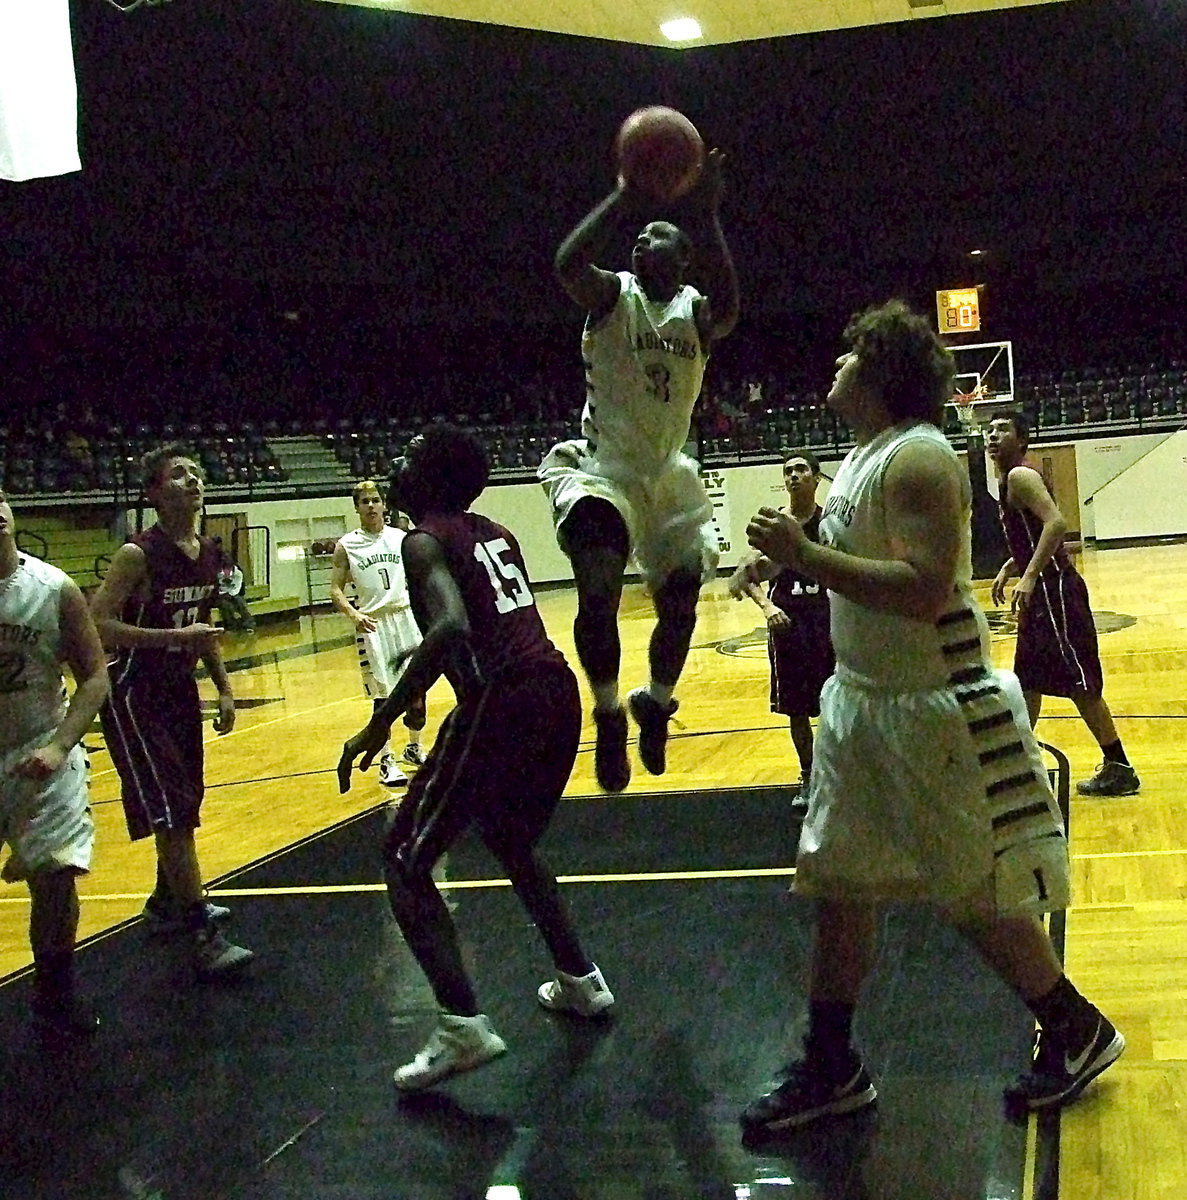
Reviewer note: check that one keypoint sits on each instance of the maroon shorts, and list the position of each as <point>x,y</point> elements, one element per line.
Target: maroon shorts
<point>1057,652</point>
<point>153,730</point>
<point>801,660</point>
<point>500,761</point>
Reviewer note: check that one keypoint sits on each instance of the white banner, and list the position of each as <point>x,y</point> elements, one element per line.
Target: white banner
<point>38,94</point>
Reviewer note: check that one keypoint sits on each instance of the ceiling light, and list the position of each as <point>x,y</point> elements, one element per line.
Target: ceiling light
<point>684,29</point>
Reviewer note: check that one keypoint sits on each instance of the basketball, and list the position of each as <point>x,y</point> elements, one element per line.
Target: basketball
<point>659,151</point>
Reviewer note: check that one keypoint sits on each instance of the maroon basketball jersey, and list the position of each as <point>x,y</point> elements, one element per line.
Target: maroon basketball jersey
<point>181,591</point>
<point>796,594</point>
<point>507,633</point>
<point>1023,530</point>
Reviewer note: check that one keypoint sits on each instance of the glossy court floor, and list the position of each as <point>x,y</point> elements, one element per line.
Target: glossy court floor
<point>278,1087</point>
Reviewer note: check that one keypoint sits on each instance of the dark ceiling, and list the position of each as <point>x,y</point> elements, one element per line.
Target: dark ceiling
<point>314,157</point>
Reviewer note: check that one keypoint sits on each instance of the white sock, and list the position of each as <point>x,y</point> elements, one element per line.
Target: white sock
<point>606,696</point>
<point>662,692</point>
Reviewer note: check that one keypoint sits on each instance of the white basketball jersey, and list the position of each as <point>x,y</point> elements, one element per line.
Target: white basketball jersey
<point>377,568</point>
<point>32,691</point>
<point>644,364</point>
<point>884,648</point>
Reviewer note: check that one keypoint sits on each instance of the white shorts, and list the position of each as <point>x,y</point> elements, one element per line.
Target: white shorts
<point>668,515</point>
<point>47,825</point>
<point>939,795</point>
<point>384,653</point>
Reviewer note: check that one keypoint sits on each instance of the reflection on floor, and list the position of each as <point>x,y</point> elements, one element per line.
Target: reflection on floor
<point>278,1087</point>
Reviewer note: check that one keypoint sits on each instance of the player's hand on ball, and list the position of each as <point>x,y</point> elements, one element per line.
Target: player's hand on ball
<point>711,183</point>
<point>776,534</point>
<point>368,742</point>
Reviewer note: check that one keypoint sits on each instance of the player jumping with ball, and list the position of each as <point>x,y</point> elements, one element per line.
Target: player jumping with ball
<point>625,485</point>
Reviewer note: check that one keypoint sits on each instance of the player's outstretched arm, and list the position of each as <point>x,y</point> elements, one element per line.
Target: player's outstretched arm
<point>593,288</point>
<point>718,312</point>
<point>444,649</point>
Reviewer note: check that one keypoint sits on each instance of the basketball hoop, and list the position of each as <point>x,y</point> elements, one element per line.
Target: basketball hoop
<point>965,402</point>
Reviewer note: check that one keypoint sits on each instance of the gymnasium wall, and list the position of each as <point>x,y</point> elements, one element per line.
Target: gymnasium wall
<point>1138,491</point>
<point>737,492</point>
<point>1123,487</point>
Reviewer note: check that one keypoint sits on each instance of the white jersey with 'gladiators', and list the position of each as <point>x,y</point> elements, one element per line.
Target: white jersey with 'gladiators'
<point>884,649</point>
<point>32,691</point>
<point>926,781</point>
<point>644,364</point>
<point>377,569</point>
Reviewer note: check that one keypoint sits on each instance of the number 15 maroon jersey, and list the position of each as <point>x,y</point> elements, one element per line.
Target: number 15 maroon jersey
<point>507,634</point>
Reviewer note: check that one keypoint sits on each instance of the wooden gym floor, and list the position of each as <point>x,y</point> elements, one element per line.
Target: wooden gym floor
<point>280,1087</point>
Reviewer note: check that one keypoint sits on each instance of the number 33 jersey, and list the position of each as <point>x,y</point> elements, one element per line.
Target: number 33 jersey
<point>32,694</point>
<point>377,568</point>
<point>644,364</point>
<point>506,631</point>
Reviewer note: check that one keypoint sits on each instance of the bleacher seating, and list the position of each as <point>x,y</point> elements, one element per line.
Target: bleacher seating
<point>52,461</point>
<point>741,419</point>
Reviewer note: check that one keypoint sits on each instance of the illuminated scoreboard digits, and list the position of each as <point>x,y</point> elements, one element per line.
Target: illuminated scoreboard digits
<point>958,310</point>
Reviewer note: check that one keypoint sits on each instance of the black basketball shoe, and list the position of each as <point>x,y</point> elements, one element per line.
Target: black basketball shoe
<point>1058,1076</point>
<point>652,718</point>
<point>807,1093</point>
<point>611,765</point>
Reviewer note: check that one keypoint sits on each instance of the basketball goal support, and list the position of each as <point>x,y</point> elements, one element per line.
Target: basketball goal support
<point>984,385</point>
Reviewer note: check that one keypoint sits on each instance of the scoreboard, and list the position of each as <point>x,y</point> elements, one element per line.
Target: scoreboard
<point>958,310</point>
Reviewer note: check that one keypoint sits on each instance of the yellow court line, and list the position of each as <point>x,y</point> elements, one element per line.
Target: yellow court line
<point>1126,854</point>
<point>461,885</point>
<point>614,877</point>
<point>450,885</point>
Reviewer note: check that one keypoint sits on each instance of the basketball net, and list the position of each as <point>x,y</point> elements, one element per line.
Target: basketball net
<point>963,403</point>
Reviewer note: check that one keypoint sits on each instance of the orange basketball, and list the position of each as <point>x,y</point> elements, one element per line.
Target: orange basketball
<point>659,151</point>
